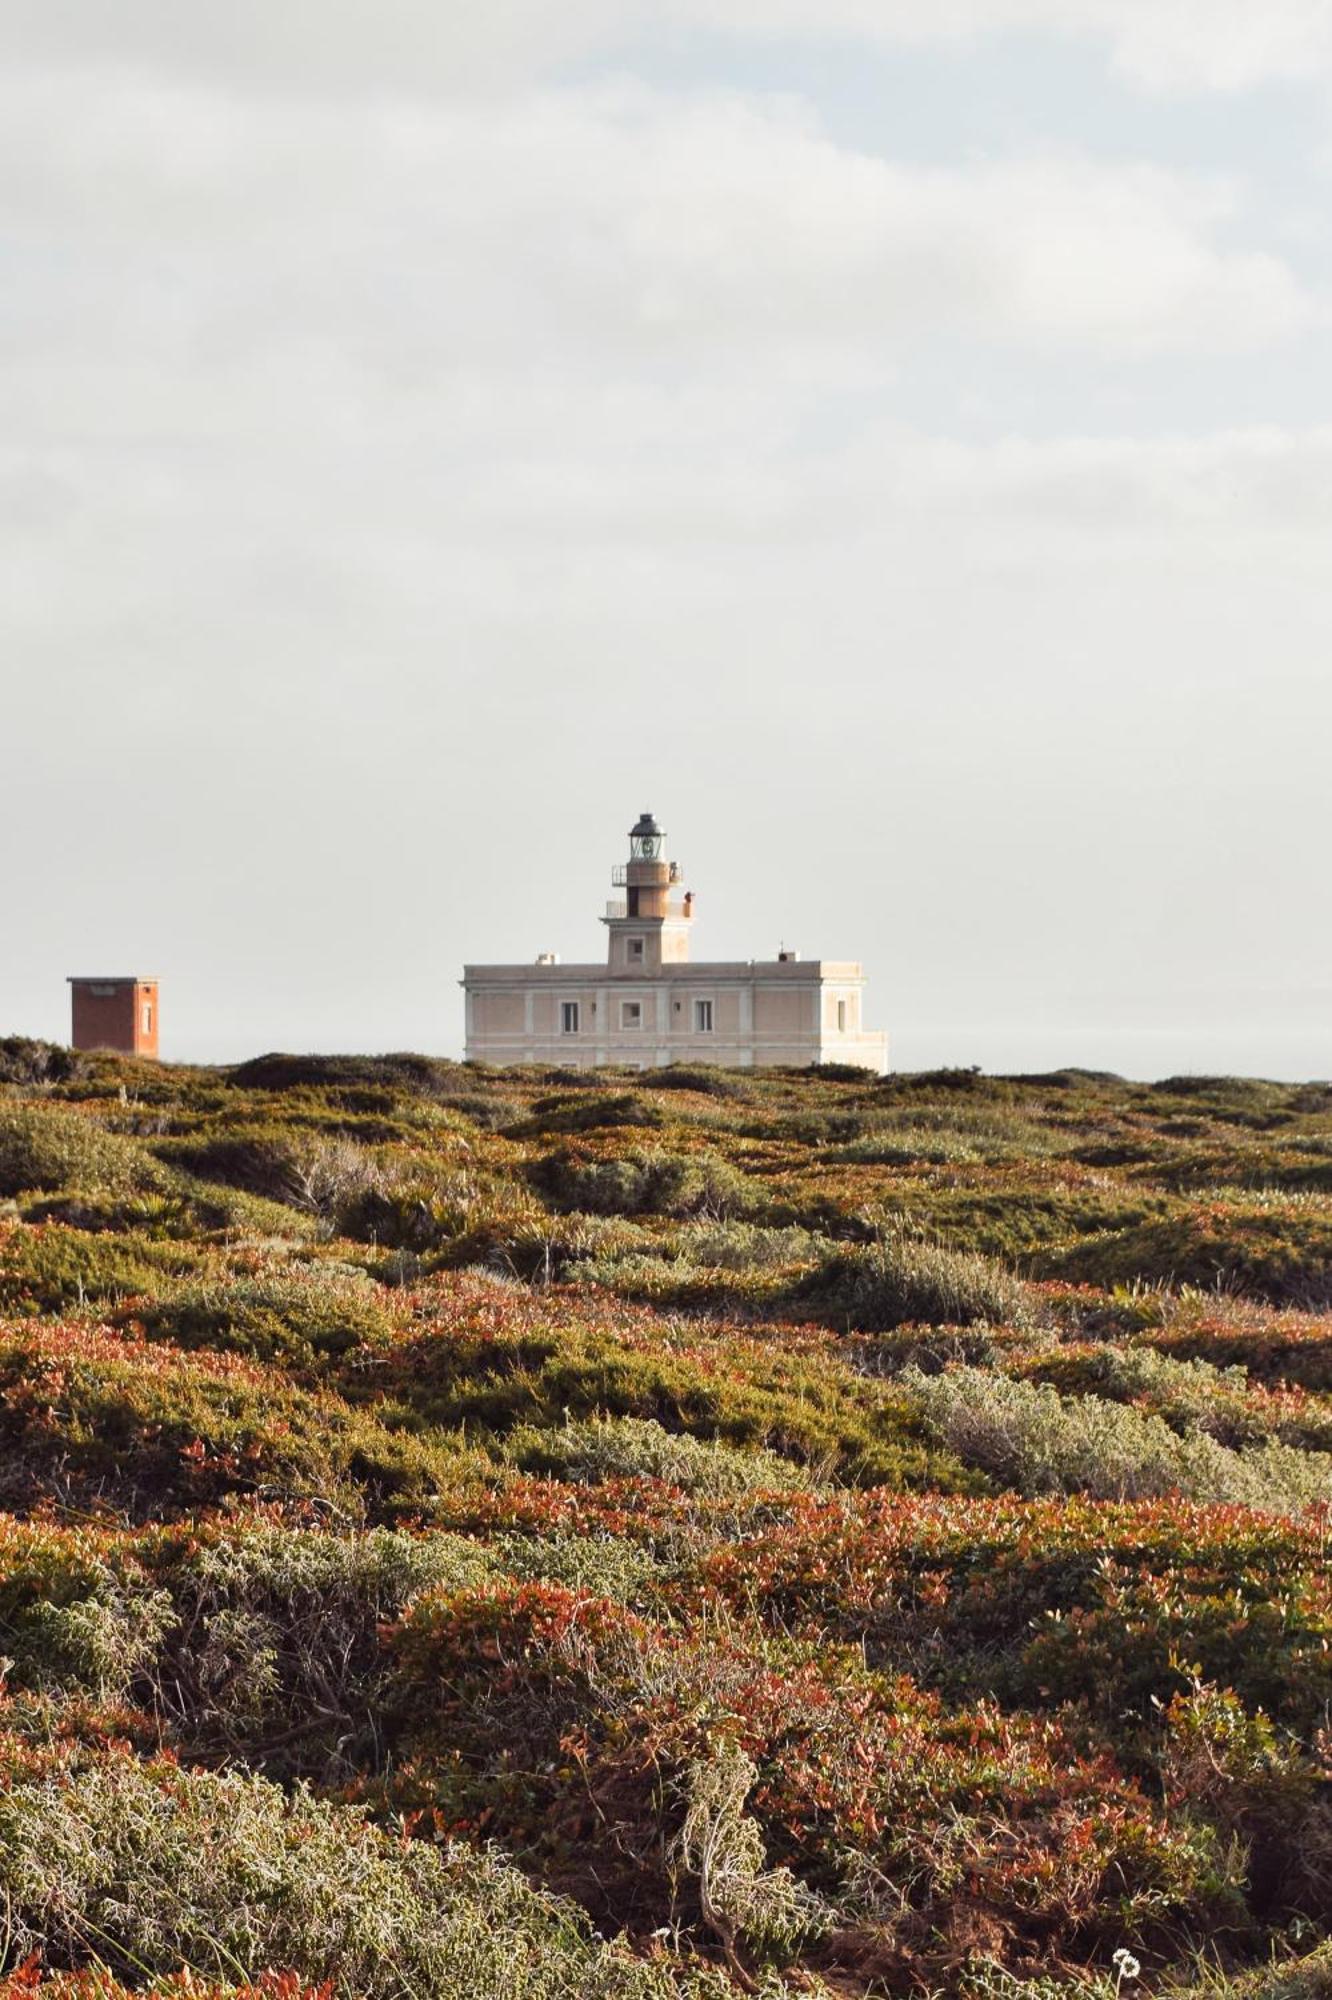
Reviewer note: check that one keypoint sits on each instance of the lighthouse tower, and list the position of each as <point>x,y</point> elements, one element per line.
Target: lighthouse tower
<point>649,928</point>
<point>649,1003</point>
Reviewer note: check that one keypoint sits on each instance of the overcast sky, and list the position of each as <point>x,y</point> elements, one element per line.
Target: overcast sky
<point>893,443</point>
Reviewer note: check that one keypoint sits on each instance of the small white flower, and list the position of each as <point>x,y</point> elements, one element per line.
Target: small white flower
<point>1127,1965</point>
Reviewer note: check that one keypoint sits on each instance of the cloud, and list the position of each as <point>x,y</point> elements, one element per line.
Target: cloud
<point>401,443</point>
<point>412,46</point>
<point>593,226</point>
<point>1161,45</point>
<point>729,216</point>
<point>1218,490</point>
<point>263,356</point>
<point>1182,45</point>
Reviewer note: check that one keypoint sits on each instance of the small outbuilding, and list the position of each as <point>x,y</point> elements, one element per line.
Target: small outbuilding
<point>116,1012</point>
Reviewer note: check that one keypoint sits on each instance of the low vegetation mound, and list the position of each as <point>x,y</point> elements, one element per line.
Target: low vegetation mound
<point>45,1146</point>
<point>501,1532</point>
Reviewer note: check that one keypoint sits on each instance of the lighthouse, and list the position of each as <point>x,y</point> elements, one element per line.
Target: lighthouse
<point>649,1002</point>
<point>649,927</point>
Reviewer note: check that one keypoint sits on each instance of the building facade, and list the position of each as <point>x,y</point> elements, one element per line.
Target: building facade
<point>649,1004</point>
<point>117,1013</point>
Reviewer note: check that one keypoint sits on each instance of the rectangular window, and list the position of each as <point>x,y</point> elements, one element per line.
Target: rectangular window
<point>636,948</point>
<point>702,1017</point>
<point>147,1017</point>
<point>841,1017</point>
<point>569,1017</point>
<point>631,1013</point>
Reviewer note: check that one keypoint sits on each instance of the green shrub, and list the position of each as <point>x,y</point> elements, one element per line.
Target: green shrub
<point>1064,1079</point>
<point>1192,1395</point>
<point>300,1317</point>
<point>900,1280</point>
<point>1029,1225</point>
<point>1005,1130</point>
<point>512,1235</point>
<point>540,1358</point>
<point>646,1183</point>
<point>909,1147</point>
<point>110,1423</point>
<point>422,1210</point>
<point>583,1113</point>
<point>1278,1249</point>
<point>742,1246</point>
<point>53,1269</point>
<point>92,1633</point>
<point>1222,1090</point>
<point>47,1146</point>
<point>203,1207</point>
<point>28,1062</point>
<point>695,1076</point>
<point>407,1075</point>
<point>925,1082</point>
<point>281,1163</point>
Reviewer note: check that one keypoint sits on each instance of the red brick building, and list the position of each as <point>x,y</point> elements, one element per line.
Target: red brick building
<point>115,1013</point>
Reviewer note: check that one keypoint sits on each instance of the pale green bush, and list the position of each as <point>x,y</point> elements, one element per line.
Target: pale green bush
<point>280,1631</point>
<point>316,1576</point>
<point>992,1133</point>
<point>261,1630</point>
<point>147,1869</point>
<point>742,1246</point>
<point>96,1642</point>
<point>1030,1437</point>
<point>599,1565</point>
<point>1197,1395</point>
<point>698,1251</point>
<point>637,1447</point>
<point>722,1848</point>
<point>910,1146</point>
<point>634,1272</point>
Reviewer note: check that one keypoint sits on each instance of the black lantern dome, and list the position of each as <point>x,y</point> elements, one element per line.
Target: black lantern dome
<point>646,839</point>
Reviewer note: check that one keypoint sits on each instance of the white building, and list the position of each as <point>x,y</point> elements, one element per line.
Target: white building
<point>649,1005</point>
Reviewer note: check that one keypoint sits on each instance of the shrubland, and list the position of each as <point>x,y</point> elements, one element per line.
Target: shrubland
<point>537,1533</point>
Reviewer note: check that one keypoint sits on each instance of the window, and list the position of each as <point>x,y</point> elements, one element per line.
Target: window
<point>569,1017</point>
<point>702,1017</point>
<point>636,948</point>
<point>631,1013</point>
<point>147,1017</point>
<point>841,1017</point>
